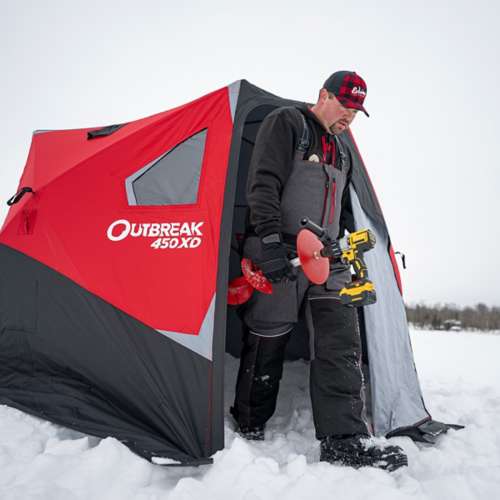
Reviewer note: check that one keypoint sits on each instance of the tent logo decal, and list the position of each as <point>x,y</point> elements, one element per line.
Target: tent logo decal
<point>167,234</point>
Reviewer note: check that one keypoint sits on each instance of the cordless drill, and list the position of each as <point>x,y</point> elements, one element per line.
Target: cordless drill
<point>349,250</point>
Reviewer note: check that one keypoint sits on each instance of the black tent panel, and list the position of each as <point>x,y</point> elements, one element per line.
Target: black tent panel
<point>69,357</point>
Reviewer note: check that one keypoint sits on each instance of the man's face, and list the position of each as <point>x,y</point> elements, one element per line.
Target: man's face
<point>333,111</point>
<point>344,123</point>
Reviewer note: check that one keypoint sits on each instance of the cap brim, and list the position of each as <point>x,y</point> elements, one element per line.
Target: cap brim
<point>353,105</point>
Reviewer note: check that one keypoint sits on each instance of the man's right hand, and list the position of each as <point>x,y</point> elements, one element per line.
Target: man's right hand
<point>274,259</point>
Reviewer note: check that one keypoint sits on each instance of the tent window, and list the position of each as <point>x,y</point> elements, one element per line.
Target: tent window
<point>171,179</point>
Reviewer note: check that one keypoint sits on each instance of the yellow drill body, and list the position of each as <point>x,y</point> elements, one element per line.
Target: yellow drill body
<point>361,291</point>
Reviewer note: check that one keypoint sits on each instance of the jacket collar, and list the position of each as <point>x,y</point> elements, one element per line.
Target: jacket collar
<point>306,109</point>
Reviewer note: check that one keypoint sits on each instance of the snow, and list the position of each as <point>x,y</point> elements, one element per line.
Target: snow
<point>460,376</point>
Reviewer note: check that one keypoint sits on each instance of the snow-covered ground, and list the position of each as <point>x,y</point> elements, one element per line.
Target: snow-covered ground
<point>460,375</point>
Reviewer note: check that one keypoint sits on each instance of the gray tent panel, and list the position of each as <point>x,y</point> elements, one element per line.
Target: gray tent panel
<point>171,179</point>
<point>234,92</point>
<point>201,343</point>
<point>396,395</point>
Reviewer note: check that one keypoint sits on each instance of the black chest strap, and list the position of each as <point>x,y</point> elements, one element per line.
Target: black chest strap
<point>305,138</point>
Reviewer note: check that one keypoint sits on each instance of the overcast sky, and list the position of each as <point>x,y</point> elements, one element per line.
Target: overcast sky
<point>432,70</point>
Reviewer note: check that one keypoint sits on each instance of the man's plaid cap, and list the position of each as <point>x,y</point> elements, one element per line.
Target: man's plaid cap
<point>349,88</point>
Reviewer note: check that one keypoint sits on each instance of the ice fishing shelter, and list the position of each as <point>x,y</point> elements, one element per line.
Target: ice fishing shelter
<point>114,265</point>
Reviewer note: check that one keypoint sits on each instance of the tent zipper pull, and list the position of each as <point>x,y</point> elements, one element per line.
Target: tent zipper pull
<point>17,197</point>
<point>403,258</point>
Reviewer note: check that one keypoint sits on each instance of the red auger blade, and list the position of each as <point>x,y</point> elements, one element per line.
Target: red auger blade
<point>255,277</point>
<point>239,291</point>
<point>241,288</point>
<point>315,267</point>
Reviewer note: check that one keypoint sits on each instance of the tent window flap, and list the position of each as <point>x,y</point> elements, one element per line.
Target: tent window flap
<point>171,179</point>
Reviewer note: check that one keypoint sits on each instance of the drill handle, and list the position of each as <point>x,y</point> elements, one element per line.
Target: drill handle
<point>319,231</point>
<point>359,266</point>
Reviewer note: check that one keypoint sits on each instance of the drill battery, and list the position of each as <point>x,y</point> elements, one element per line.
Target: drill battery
<point>358,293</point>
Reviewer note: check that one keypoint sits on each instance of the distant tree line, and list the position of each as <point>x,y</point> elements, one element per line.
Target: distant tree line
<point>452,317</point>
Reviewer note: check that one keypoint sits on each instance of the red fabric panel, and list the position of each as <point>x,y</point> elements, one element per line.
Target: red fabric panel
<point>80,190</point>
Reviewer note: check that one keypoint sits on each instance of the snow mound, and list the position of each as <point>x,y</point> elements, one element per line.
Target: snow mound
<point>460,377</point>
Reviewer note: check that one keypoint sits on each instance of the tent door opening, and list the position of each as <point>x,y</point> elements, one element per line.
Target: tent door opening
<point>298,346</point>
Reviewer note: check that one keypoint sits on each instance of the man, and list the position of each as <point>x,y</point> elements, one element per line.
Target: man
<point>299,168</point>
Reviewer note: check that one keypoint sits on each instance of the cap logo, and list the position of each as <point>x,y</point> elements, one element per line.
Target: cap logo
<point>358,91</point>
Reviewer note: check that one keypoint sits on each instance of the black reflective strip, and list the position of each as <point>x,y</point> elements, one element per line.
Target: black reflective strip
<point>105,131</point>
<point>19,195</point>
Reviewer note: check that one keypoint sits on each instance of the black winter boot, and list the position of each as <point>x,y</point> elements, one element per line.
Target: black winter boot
<point>357,451</point>
<point>251,433</point>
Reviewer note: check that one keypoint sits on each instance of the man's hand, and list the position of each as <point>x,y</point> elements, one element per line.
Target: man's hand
<point>274,260</point>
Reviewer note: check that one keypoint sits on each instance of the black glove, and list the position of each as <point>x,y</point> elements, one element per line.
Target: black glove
<point>273,259</point>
